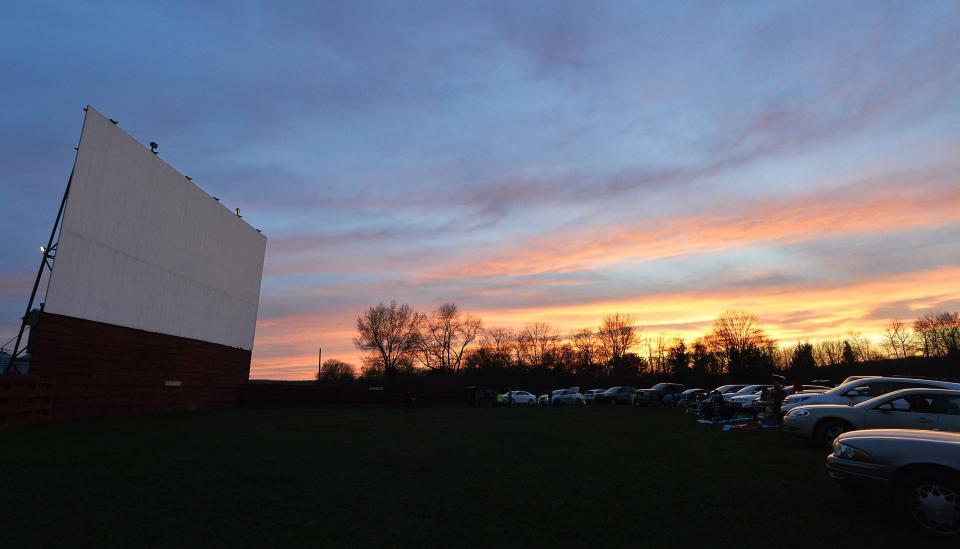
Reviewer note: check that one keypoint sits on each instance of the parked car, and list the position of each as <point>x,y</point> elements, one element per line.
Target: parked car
<point>903,409</point>
<point>672,398</point>
<point>747,391</point>
<point>689,397</point>
<point>723,390</point>
<point>589,395</point>
<point>855,378</point>
<point>753,401</point>
<point>567,396</point>
<point>655,396</point>
<point>615,395</point>
<point>519,398</point>
<point>863,389</point>
<point>919,470</point>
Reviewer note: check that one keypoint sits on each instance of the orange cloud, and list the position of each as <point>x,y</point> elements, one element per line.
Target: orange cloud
<point>869,207</point>
<point>286,347</point>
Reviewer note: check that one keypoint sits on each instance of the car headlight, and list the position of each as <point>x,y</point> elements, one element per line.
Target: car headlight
<point>798,412</point>
<point>845,451</point>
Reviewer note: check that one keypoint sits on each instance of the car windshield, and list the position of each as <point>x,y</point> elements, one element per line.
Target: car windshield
<point>841,389</point>
<point>613,389</point>
<point>748,390</point>
<point>876,400</point>
<point>659,386</point>
<point>729,388</point>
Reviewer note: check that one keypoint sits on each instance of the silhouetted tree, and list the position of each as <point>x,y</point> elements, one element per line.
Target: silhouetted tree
<point>589,351</point>
<point>679,360</point>
<point>849,357</point>
<point>444,336</point>
<point>390,333</point>
<point>861,347</point>
<point>536,344</point>
<point>335,370</point>
<point>618,334</point>
<point>938,334</point>
<point>740,340</point>
<point>828,352</point>
<point>899,340</point>
<point>703,360</point>
<point>802,364</point>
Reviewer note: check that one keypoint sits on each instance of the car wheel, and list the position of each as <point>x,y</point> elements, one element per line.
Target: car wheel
<point>931,500</point>
<point>829,430</point>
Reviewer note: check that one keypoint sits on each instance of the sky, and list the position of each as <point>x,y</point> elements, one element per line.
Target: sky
<point>550,161</point>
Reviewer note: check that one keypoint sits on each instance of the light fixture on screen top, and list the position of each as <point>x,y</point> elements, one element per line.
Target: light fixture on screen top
<point>217,198</point>
<point>153,148</point>
<point>43,249</point>
<point>238,213</point>
<point>188,178</point>
<point>112,121</point>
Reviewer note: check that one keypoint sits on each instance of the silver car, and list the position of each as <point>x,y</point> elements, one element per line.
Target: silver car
<point>863,389</point>
<point>920,470</point>
<point>567,396</point>
<point>904,409</point>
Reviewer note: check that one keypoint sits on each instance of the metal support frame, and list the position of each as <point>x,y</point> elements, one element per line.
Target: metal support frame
<point>49,254</point>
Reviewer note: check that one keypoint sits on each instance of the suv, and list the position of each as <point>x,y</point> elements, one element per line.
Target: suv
<point>863,389</point>
<point>615,395</point>
<point>661,393</point>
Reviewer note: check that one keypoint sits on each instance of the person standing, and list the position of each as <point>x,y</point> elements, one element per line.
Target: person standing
<point>777,396</point>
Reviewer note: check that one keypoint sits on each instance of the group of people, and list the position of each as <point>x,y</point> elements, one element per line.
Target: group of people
<point>714,407</point>
<point>771,404</point>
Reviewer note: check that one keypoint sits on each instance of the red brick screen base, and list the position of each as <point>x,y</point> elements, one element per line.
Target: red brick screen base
<point>102,369</point>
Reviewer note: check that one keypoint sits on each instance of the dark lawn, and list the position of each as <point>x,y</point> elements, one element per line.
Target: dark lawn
<point>593,477</point>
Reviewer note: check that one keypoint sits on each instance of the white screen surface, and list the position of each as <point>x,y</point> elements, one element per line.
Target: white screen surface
<point>143,247</point>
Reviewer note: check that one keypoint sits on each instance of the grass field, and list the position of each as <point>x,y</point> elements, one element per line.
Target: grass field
<point>593,477</point>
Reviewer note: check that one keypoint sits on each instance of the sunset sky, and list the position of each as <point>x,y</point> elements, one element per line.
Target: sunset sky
<point>530,161</point>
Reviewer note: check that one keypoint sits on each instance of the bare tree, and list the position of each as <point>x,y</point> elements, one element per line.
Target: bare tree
<point>738,338</point>
<point>589,351</point>
<point>390,332</point>
<point>335,369</point>
<point>657,354</point>
<point>899,339</point>
<point>618,334</point>
<point>497,347</point>
<point>444,337</point>
<point>938,334</point>
<point>828,352</point>
<point>537,343</point>
<point>737,331</point>
<point>862,349</point>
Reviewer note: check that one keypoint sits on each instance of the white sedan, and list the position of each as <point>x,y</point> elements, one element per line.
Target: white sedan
<point>567,396</point>
<point>519,398</point>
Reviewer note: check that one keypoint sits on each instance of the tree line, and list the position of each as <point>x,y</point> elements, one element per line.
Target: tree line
<point>396,339</point>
